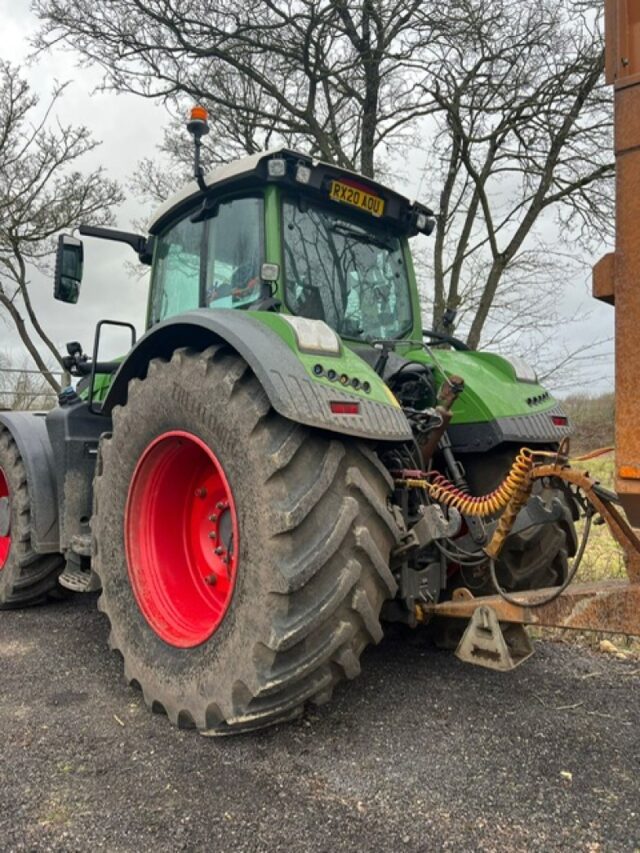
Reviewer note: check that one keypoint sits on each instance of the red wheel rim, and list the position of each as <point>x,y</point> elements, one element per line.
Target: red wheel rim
<point>181,538</point>
<point>5,520</point>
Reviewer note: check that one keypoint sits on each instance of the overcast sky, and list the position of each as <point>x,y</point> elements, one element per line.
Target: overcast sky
<point>130,128</point>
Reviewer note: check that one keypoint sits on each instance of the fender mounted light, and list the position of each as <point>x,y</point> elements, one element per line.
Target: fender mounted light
<point>313,335</point>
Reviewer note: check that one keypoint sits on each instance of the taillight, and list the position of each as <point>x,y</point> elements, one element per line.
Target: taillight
<point>341,408</point>
<point>559,420</point>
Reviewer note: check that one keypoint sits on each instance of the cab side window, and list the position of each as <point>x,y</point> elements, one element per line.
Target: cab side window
<point>211,264</point>
<point>176,270</point>
<point>234,254</point>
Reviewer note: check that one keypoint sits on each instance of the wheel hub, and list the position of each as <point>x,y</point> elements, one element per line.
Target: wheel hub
<point>5,520</point>
<point>181,539</point>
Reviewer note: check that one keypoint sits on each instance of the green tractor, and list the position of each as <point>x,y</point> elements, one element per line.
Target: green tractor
<point>286,462</point>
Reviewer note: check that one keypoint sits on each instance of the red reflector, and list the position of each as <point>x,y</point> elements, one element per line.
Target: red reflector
<point>559,420</point>
<point>345,408</point>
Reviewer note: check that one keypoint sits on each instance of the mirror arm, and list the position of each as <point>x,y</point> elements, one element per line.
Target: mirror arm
<point>142,246</point>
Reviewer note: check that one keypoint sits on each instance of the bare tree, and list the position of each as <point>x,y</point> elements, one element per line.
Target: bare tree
<point>336,75</point>
<point>22,387</point>
<point>41,193</point>
<point>524,130</point>
<point>504,98</point>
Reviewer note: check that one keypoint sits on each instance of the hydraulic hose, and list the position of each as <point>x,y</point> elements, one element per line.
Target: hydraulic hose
<point>443,491</point>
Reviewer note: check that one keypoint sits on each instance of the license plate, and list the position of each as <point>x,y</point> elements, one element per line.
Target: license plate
<point>356,197</point>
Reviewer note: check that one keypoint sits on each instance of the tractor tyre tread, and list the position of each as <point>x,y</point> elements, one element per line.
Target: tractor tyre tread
<point>27,578</point>
<point>538,558</point>
<point>316,548</point>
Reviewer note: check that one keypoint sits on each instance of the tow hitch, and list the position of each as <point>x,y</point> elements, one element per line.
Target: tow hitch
<point>495,636</point>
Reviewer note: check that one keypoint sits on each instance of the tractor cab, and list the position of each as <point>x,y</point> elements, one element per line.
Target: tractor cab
<point>280,230</point>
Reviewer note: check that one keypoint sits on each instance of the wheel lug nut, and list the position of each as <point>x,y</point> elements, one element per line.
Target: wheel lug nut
<point>219,505</point>
<point>212,580</point>
<point>213,534</point>
<point>213,517</point>
<point>219,551</point>
<point>201,493</point>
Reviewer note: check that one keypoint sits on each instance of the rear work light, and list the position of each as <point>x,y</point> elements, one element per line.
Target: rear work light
<point>340,408</point>
<point>559,420</point>
<point>277,167</point>
<point>303,173</point>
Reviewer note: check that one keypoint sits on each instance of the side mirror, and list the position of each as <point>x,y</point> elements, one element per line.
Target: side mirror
<point>68,272</point>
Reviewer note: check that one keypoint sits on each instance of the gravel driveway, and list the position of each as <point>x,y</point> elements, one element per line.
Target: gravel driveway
<point>419,753</point>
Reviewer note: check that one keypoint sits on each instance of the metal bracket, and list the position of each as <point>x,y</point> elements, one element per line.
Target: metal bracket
<point>535,512</point>
<point>431,525</point>
<point>96,348</point>
<point>486,643</point>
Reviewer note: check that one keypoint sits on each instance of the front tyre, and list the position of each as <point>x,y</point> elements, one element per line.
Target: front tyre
<point>243,558</point>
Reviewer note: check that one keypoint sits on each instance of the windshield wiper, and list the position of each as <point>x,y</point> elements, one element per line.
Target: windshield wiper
<point>363,237</point>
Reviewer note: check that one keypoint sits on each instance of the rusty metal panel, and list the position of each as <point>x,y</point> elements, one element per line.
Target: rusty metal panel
<point>610,606</point>
<point>628,40</point>
<point>627,120</point>
<point>622,66</point>
<point>627,295</point>
<point>622,42</point>
<point>604,278</point>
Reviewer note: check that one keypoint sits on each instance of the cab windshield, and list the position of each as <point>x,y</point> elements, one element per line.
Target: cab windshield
<point>351,275</point>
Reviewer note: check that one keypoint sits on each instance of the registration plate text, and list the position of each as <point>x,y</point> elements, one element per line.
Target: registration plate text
<point>357,197</point>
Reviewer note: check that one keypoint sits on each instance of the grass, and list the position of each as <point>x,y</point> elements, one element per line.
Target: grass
<point>603,560</point>
<point>592,419</point>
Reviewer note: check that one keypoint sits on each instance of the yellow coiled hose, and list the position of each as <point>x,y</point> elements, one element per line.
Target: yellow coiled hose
<point>444,492</point>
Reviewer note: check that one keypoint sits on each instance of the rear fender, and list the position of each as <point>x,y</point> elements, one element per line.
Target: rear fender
<point>29,432</point>
<point>283,371</point>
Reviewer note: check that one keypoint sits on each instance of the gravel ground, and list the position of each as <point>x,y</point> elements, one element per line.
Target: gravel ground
<point>421,753</point>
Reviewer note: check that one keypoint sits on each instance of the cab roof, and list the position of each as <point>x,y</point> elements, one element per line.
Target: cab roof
<point>254,171</point>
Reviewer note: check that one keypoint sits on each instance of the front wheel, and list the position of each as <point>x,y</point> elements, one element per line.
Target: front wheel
<point>243,558</point>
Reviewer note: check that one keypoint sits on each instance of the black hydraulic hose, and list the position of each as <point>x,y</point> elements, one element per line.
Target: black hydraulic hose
<point>83,368</point>
<point>443,338</point>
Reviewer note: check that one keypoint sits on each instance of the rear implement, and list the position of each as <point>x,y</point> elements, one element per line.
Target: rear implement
<point>608,606</point>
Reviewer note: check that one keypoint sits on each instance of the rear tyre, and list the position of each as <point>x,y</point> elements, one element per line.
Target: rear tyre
<point>536,558</point>
<point>26,577</point>
<point>300,518</point>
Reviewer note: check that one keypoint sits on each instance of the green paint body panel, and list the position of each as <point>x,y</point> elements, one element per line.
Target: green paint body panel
<point>347,363</point>
<point>492,389</point>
